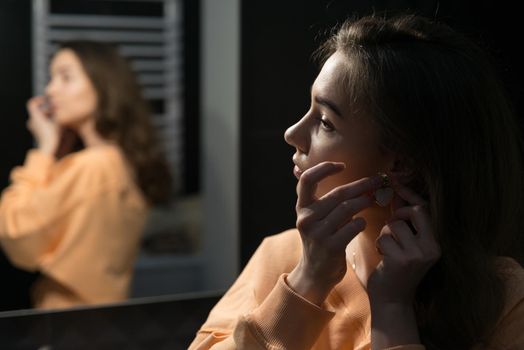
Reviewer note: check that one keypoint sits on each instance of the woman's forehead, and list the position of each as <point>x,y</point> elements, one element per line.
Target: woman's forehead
<point>335,67</point>
<point>65,59</point>
<point>330,81</point>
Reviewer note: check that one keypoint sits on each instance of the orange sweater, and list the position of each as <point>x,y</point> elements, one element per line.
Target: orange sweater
<point>260,311</point>
<point>78,221</point>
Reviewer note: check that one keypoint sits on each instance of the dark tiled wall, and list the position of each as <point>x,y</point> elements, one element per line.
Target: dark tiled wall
<point>15,140</point>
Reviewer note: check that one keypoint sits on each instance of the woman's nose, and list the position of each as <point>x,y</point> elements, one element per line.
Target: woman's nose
<point>297,135</point>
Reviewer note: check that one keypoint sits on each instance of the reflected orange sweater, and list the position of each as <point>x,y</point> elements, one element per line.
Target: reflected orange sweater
<point>260,311</point>
<point>78,221</point>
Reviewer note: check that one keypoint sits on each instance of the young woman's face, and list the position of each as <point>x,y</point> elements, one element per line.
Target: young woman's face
<point>332,131</point>
<point>73,98</point>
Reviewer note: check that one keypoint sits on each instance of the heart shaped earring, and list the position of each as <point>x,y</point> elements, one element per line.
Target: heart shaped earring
<point>384,195</point>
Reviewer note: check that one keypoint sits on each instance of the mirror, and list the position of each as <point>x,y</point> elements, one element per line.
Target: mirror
<point>165,322</point>
<point>177,248</point>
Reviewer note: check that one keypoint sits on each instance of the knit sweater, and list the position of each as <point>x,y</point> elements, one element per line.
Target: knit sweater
<point>78,221</point>
<point>260,311</point>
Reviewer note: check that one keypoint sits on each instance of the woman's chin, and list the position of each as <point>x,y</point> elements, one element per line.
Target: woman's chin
<point>68,123</point>
<point>61,120</point>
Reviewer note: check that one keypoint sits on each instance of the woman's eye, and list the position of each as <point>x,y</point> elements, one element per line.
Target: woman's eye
<point>326,124</point>
<point>64,76</point>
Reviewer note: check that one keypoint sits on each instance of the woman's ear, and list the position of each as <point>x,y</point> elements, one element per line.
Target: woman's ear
<point>402,170</point>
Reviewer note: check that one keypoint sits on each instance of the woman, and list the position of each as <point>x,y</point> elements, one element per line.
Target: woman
<point>409,210</point>
<point>77,216</point>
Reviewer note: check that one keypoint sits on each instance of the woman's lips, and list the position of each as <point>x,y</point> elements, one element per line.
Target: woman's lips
<point>297,172</point>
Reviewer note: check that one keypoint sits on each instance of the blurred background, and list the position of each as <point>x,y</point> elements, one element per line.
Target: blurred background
<point>225,79</point>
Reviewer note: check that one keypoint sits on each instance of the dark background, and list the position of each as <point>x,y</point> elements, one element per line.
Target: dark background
<point>277,40</point>
<point>15,140</point>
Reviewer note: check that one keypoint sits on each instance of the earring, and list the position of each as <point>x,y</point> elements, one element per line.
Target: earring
<point>384,195</point>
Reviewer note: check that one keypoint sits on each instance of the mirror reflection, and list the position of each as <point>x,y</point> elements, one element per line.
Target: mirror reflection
<point>103,204</point>
<point>76,209</point>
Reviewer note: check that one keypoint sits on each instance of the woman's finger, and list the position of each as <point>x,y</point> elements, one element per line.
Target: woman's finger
<point>354,189</point>
<point>307,184</point>
<point>346,233</point>
<point>362,187</point>
<point>408,195</point>
<point>417,215</point>
<point>344,213</point>
<point>34,102</point>
<point>424,237</point>
<point>36,113</point>
<point>402,233</point>
<point>387,245</point>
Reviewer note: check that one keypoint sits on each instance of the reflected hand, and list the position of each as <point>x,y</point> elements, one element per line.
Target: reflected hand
<point>44,130</point>
<point>326,226</point>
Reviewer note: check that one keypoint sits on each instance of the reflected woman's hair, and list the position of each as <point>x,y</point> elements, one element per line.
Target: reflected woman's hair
<point>124,116</point>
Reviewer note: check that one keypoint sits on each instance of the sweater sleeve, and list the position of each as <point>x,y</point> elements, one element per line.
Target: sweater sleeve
<point>23,208</point>
<point>41,194</point>
<point>509,332</point>
<point>248,317</point>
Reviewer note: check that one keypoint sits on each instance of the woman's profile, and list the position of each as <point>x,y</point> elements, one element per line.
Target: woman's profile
<point>409,206</point>
<point>76,214</point>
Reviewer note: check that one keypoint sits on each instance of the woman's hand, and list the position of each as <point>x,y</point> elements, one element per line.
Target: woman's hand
<point>44,130</point>
<point>326,226</point>
<point>410,249</point>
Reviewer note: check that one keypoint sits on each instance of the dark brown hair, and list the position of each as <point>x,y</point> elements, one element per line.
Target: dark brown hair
<point>438,102</point>
<point>124,116</point>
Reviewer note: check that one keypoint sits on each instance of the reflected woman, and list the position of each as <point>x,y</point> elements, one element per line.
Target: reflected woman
<point>76,216</point>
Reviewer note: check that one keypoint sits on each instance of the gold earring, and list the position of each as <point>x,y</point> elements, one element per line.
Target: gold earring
<point>384,195</point>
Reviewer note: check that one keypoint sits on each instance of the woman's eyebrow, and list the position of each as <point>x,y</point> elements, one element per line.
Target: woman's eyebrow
<point>329,104</point>
<point>61,69</point>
